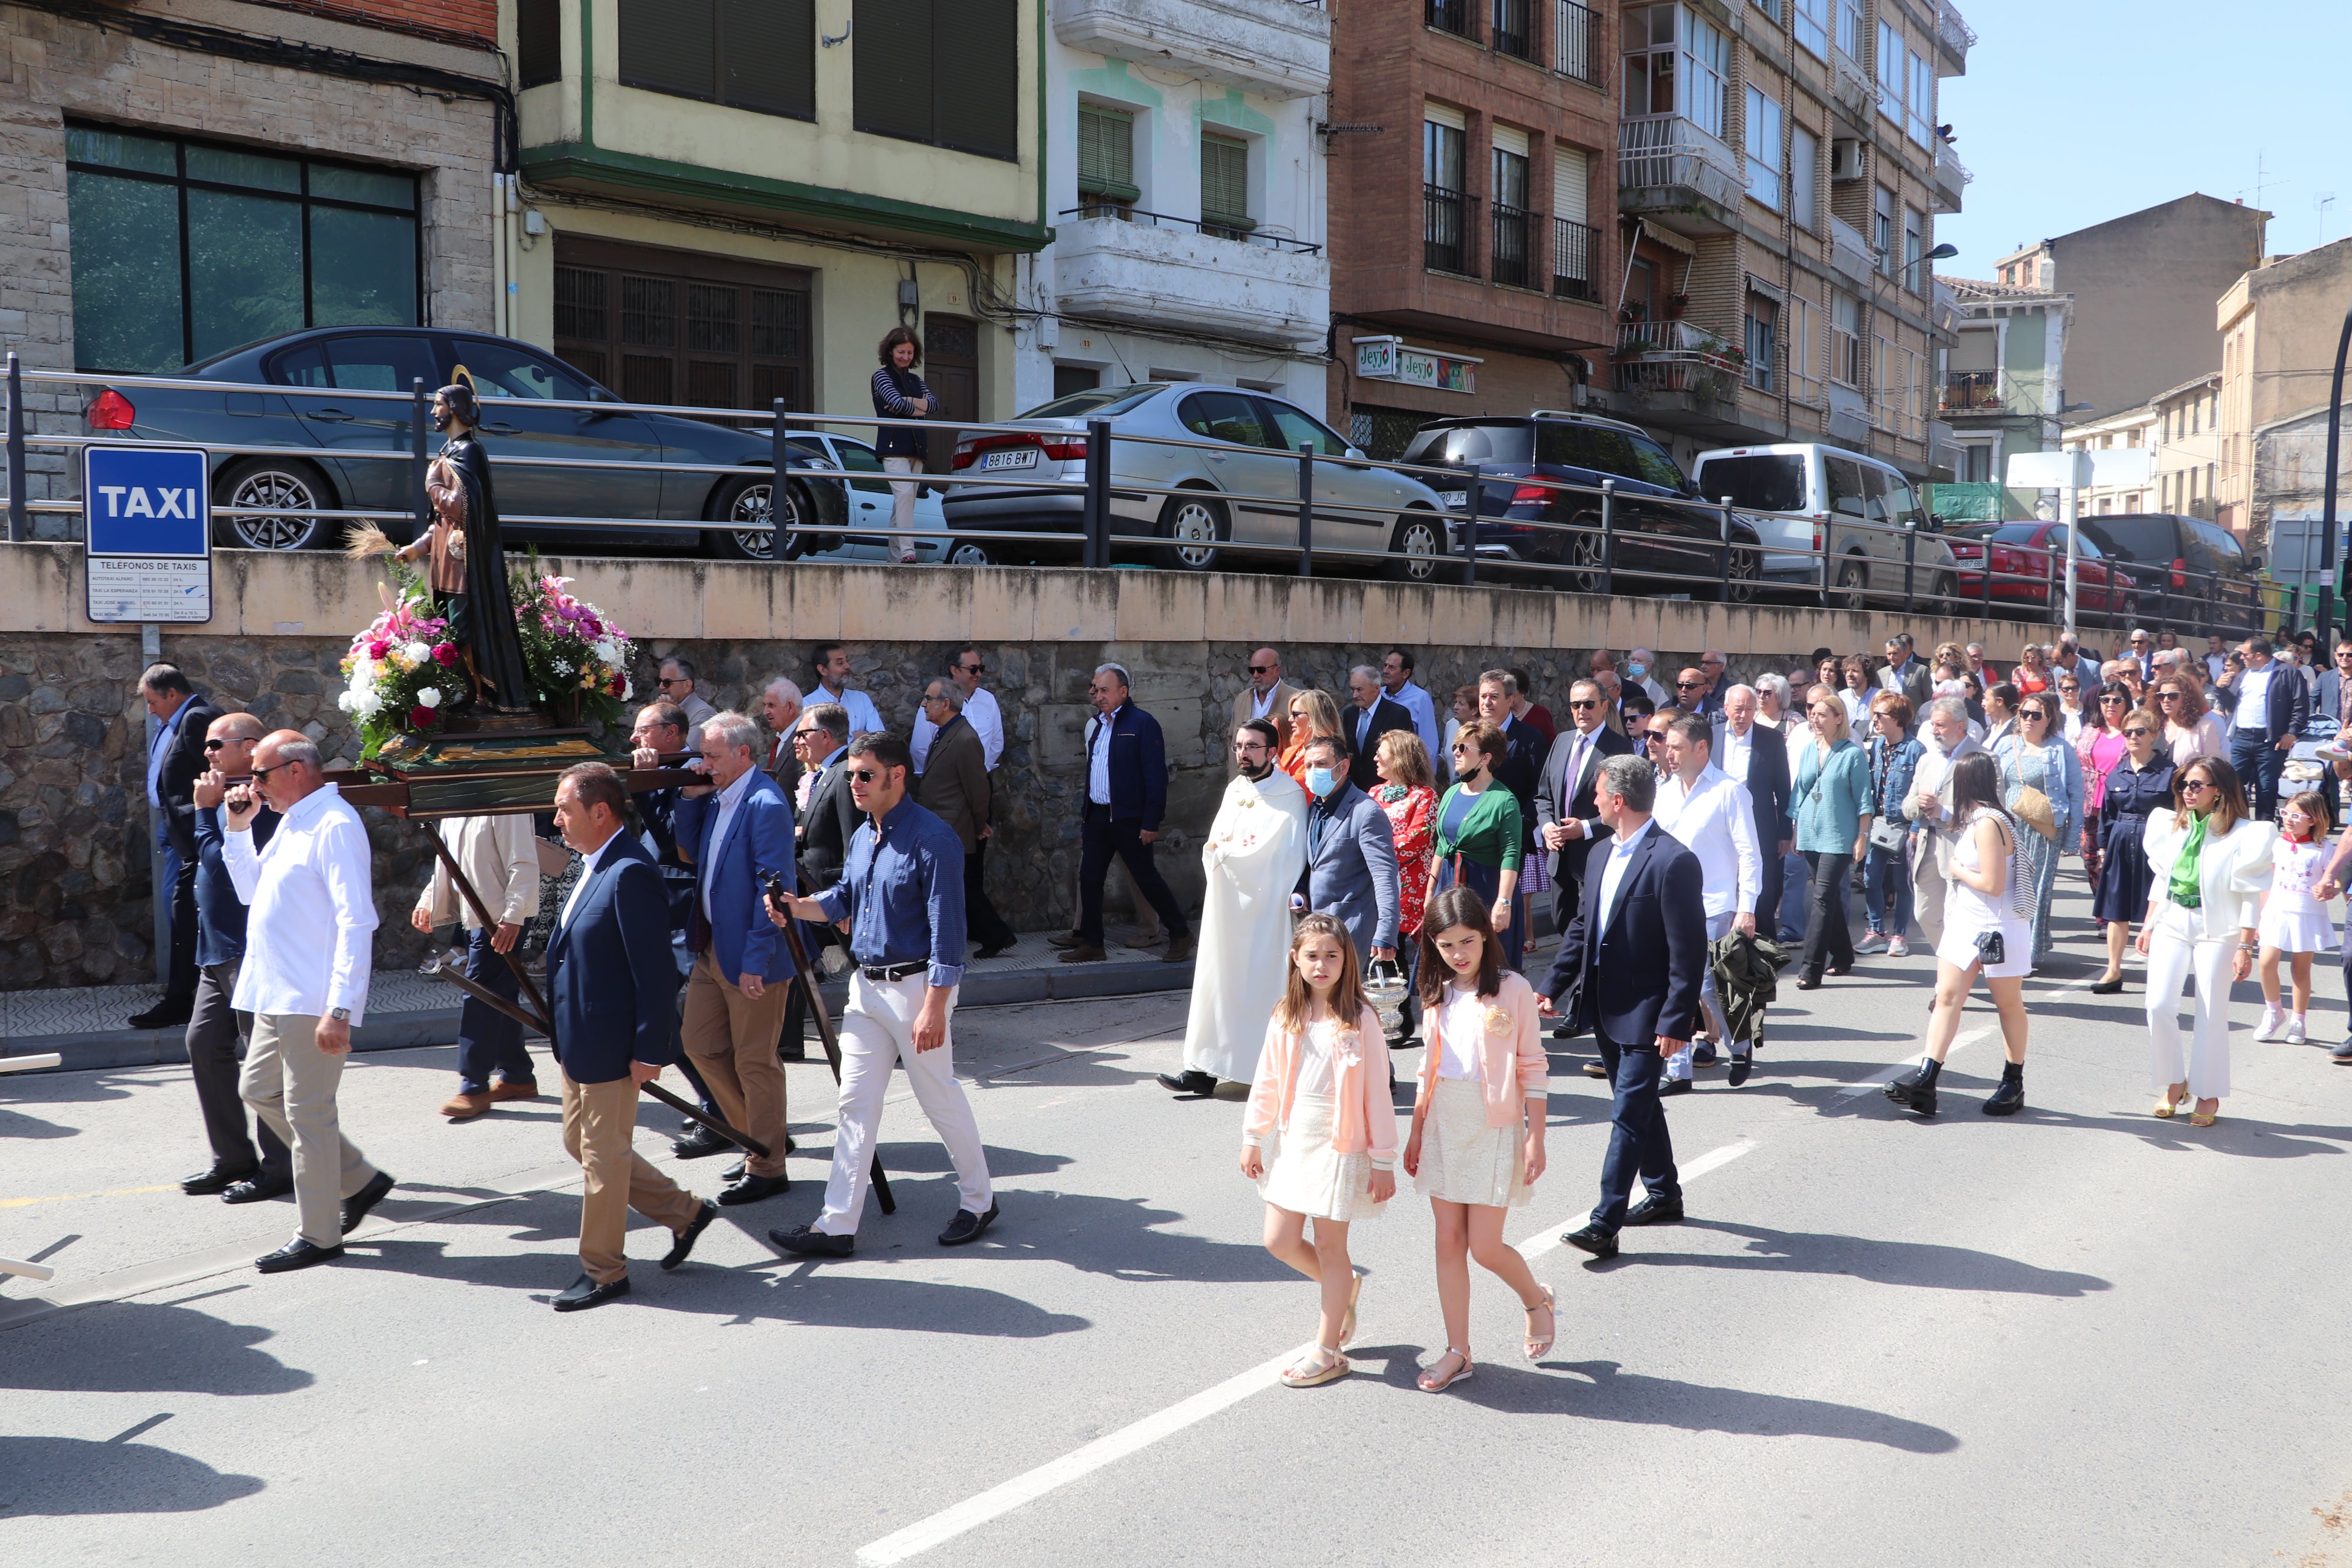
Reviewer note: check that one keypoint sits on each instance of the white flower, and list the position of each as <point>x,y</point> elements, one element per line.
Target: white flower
<point>418,651</point>
<point>346,702</point>
<point>428,696</point>
<point>561,667</point>
<point>366,704</point>
<point>606,654</point>
<point>628,689</point>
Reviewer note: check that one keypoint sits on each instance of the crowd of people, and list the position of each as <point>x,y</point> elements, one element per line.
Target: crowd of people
<point>1375,877</point>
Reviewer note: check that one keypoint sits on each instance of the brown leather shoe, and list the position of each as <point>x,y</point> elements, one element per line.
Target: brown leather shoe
<point>509,1088</point>
<point>1084,955</point>
<point>1180,950</point>
<point>466,1107</point>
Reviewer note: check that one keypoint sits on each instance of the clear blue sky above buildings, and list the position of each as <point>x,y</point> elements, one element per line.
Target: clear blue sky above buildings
<point>2075,112</point>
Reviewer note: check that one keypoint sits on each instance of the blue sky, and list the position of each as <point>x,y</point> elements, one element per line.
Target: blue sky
<point>2075,112</point>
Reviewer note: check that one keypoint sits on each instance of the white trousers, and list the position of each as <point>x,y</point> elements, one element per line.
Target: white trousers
<point>877,1028</point>
<point>2174,951</point>
<point>902,506</point>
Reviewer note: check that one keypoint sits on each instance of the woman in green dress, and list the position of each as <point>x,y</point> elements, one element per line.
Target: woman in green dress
<point>1479,833</point>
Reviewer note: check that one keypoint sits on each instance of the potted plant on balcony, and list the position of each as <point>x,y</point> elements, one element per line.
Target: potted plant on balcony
<point>1675,305</point>
<point>1632,310</point>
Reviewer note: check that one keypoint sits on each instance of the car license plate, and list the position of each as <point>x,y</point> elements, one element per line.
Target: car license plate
<point>1456,497</point>
<point>1008,458</point>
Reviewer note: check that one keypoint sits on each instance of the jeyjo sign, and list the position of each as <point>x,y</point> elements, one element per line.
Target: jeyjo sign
<point>1388,359</point>
<point>146,519</point>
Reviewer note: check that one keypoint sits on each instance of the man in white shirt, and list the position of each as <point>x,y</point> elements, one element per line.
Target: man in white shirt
<point>965,667</point>
<point>2274,704</point>
<point>2217,660</point>
<point>1711,815</point>
<point>779,707</point>
<point>1396,680</point>
<point>831,662</point>
<point>309,946</point>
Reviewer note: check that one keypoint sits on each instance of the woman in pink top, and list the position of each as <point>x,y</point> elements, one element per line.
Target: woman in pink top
<point>2100,746</point>
<point>1322,1088</point>
<point>1477,1137</point>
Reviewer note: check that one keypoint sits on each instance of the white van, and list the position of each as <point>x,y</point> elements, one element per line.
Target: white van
<point>1799,492</point>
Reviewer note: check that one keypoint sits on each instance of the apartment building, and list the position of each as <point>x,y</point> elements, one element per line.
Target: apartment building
<point>2188,446</point>
<point>1781,165</point>
<point>182,182</point>
<point>722,203</point>
<point>2131,428</point>
<point>1184,174</point>
<point>2279,325</point>
<point>1474,256</point>
<point>2004,386</point>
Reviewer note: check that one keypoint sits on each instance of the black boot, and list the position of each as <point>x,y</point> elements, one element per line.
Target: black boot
<point>2010,1097</point>
<point>1916,1089</point>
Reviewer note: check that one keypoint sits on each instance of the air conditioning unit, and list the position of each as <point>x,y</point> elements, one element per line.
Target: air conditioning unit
<point>1845,159</point>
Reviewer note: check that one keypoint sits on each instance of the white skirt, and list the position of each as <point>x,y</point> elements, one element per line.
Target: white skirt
<point>1307,1176</point>
<point>1464,1160</point>
<point>2296,930</point>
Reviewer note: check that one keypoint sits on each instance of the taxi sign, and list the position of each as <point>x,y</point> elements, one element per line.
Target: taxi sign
<point>146,517</point>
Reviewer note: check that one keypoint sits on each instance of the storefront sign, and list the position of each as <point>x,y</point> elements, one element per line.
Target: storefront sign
<point>1388,359</point>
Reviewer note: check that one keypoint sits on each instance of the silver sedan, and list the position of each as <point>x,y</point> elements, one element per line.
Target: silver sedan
<point>1221,482</point>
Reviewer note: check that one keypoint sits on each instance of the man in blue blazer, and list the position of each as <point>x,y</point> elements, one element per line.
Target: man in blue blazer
<point>612,989</point>
<point>1631,961</point>
<point>733,832</point>
<point>1351,863</point>
<point>1126,795</point>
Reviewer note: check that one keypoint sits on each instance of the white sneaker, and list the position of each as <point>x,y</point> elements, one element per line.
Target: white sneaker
<point>1871,942</point>
<point>2294,1035</point>
<point>1899,948</point>
<point>2273,1020</point>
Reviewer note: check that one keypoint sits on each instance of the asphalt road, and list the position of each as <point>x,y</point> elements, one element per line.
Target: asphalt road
<point>2081,1336</point>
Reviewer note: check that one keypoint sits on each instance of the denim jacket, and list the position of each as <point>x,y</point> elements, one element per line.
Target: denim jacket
<point>1891,767</point>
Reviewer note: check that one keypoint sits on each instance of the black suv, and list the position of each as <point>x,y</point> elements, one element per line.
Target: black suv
<point>1664,535</point>
<point>2193,576</point>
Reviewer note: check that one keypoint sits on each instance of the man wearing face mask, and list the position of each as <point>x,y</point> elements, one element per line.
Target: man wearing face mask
<point>1641,670</point>
<point>1351,865</point>
<point>1255,850</point>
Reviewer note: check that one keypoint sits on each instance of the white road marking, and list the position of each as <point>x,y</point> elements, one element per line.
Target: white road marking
<point>1547,1239</point>
<point>948,1523</point>
<point>1888,1075</point>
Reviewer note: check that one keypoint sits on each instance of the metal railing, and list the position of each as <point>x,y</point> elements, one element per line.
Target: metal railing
<point>1851,85</point>
<point>1971,392</point>
<point>1142,219</point>
<point>1450,17</point>
<point>1514,28</point>
<point>1575,42</point>
<point>1952,176</point>
<point>1672,154</point>
<point>1446,219</point>
<point>1573,246</point>
<point>1095,499</point>
<point>1512,257</point>
<point>1953,30</point>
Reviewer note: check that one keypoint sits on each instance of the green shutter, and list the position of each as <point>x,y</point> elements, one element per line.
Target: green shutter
<point>1107,155</point>
<point>767,56</point>
<point>1224,183</point>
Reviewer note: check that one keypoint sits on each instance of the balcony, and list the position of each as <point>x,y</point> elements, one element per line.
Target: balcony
<point>1169,272</point>
<point>1972,392</point>
<point>1952,178</point>
<point>1953,37</point>
<point>1576,42</point>
<point>1574,249</point>
<point>1448,224</point>
<point>1513,31</point>
<point>1451,17</point>
<point>1943,306</point>
<point>1511,256</point>
<point>1850,253</point>
<point>1666,357</point>
<point>1279,47</point>
<point>1851,86</point>
<point>1671,169</point>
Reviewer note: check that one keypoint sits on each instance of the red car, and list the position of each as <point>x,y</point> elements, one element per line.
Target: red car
<point>2029,571</point>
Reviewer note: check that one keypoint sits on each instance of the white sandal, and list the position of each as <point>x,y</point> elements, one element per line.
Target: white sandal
<point>1425,1381</point>
<point>1539,1349</point>
<point>1292,1376</point>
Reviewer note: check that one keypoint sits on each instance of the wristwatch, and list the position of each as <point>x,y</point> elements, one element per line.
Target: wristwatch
<point>339,1015</point>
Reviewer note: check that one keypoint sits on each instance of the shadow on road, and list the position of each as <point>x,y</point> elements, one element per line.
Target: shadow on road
<point>135,1347</point>
<point>1925,1263</point>
<point>64,1476</point>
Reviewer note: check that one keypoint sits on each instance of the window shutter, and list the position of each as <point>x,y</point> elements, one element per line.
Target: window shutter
<point>768,56</point>
<point>891,59</point>
<point>1512,139</point>
<point>975,109</point>
<point>1445,115</point>
<point>538,42</point>
<point>1107,155</point>
<point>1571,184</point>
<point>670,45</point>
<point>1224,182</point>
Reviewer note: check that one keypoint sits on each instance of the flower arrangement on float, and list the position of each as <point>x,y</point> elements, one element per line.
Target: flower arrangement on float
<point>402,672</point>
<point>578,659</point>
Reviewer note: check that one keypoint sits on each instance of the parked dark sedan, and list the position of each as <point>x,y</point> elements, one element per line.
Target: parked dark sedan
<point>2029,571</point>
<point>1664,539</point>
<point>321,468</point>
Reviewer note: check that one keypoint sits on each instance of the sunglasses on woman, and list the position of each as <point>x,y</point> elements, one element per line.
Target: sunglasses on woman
<point>2188,785</point>
<point>2116,701</point>
<point>2134,734</point>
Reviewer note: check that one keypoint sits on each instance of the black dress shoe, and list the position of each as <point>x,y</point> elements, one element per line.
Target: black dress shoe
<point>1191,1080</point>
<point>356,1207</point>
<point>752,1189</point>
<point>259,1188</point>
<point>218,1179</point>
<point>164,1015</point>
<point>584,1293</point>
<point>1654,1211</point>
<point>1672,1086</point>
<point>734,1173</point>
<point>686,1237</point>
<point>804,1242</point>
<point>1703,1053</point>
<point>967,1227</point>
<point>1601,1243</point>
<point>2107,987</point>
<point>698,1143</point>
<point>298,1254</point>
<point>1742,1064</point>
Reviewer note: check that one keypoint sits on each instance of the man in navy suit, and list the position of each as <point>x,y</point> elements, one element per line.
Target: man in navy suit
<point>1127,794</point>
<point>1632,958</point>
<point>1351,863</point>
<point>1567,826</point>
<point>175,758</point>
<point>1372,716</point>
<point>734,831</point>
<point>611,988</point>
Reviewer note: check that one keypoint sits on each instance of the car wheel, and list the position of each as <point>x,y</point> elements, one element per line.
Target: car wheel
<point>1586,557</point>
<point>1852,590</point>
<point>1195,526</point>
<point>289,490</point>
<point>1417,547</point>
<point>1746,584</point>
<point>1944,593</point>
<point>964,553</point>
<point>744,505</point>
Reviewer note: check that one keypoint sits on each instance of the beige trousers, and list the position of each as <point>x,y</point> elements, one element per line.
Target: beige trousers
<point>600,1120</point>
<point>732,1039</point>
<point>290,1083</point>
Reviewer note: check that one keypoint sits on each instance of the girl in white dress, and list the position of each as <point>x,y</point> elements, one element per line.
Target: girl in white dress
<point>1477,1138</point>
<point>1983,934</point>
<point>2294,921</point>
<point>1322,1093</point>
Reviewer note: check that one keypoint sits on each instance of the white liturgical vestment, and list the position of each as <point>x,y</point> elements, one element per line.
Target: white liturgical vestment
<point>1256,849</point>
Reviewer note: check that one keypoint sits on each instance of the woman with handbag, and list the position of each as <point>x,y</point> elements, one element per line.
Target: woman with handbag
<point>2099,748</point>
<point>1834,811</point>
<point>2042,785</point>
<point>2135,787</point>
<point>2212,864</point>
<point>1986,930</point>
<point>1480,838</point>
<point>1894,753</point>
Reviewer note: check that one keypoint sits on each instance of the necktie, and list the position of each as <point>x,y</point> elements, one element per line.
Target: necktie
<point>1576,764</point>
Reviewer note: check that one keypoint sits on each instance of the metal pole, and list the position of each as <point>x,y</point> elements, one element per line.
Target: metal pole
<point>1306,509</point>
<point>2068,503</point>
<point>1987,577</point>
<point>778,462</point>
<point>1723,551</point>
<point>1910,560</point>
<point>20,526</point>
<point>1608,537</point>
<point>1470,530</point>
<point>2326,508</point>
<point>150,651</point>
<point>420,414</point>
<point>1098,511</point>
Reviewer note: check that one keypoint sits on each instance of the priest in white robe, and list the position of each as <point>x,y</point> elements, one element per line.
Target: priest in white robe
<point>1256,851</point>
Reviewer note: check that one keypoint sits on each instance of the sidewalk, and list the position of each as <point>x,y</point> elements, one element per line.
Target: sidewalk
<point>85,1025</point>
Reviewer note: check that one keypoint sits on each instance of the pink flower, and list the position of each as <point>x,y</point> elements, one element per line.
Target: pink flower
<point>446,653</point>
<point>376,650</point>
<point>420,717</point>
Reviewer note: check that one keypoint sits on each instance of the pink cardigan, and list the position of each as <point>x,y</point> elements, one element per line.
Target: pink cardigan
<point>1365,1117</point>
<point>1512,1063</point>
